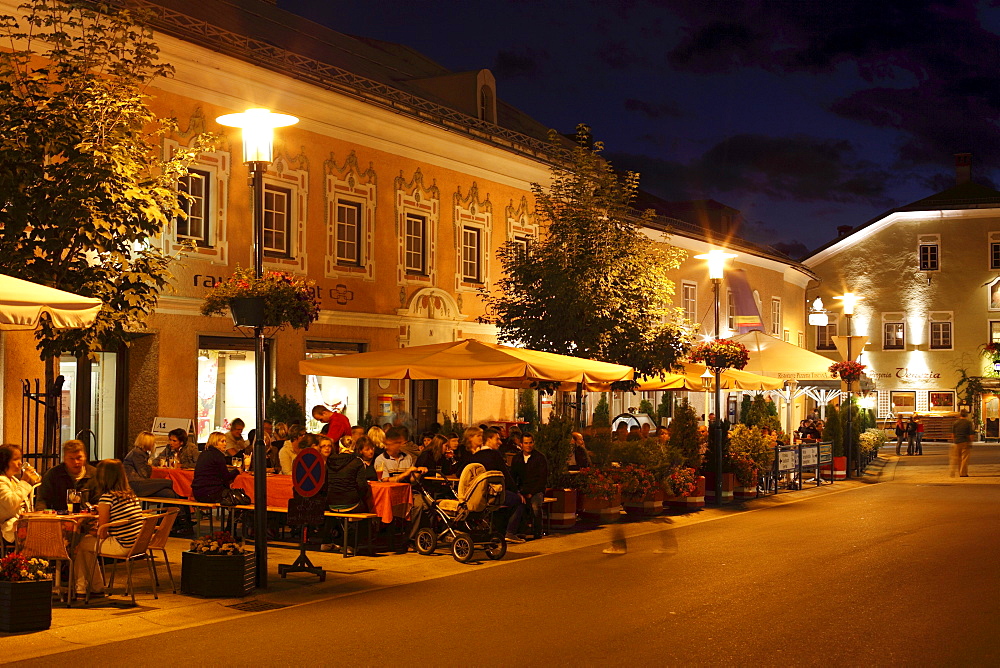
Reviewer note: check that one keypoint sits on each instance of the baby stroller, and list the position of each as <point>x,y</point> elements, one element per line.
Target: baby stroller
<point>468,520</point>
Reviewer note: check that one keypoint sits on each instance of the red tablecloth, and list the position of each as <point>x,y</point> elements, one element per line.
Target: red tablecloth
<point>391,499</point>
<point>181,479</point>
<point>279,488</point>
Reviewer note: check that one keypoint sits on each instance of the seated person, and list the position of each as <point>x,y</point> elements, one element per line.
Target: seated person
<point>235,442</point>
<point>644,430</point>
<point>472,440</point>
<point>291,448</point>
<point>356,433</point>
<point>347,489</point>
<point>530,470</point>
<point>212,474</point>
<point>634,433</point>
<point>579,458</point>
<point>393,462</point>
<point>140,473</point>
<point>73,473</point>
<point>186,451</point>
<point>115,501</point>
<point>621,432</point>
<point>364,450</point>
<point>15,489</point>
<point>489,456</point>
<point>437,458</point>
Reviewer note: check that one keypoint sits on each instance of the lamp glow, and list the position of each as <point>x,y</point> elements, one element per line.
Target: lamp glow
<point>716,262</point>
<point>849,300</point>
<point>258,131</point>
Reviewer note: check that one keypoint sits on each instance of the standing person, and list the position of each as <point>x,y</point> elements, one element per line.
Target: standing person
<point>335,423</point>
<point>911,435</point>
<point>186,451</point>
<point>918,449</point>
<point>235,443</point>
<point>900,434</point>
<point>961,448</point>
<point>400,417</point>
<point>73,473</point>
<point>116,502</point>
<point>489,456</point>
<point>530,470</point>
<point>15,489</point>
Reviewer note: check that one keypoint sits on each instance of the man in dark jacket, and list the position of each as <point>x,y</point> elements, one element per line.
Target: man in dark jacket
<point>489,456</point>
<point>530,471</point>
<point>73,473</point>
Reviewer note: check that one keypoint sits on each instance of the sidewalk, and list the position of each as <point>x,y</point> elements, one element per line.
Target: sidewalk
<point>108,621</point>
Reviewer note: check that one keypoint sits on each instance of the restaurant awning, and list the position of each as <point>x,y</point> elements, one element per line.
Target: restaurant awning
<point>467,359</point>
<point>689,378</point>
<point>770,356</point>
<point>22,304</point>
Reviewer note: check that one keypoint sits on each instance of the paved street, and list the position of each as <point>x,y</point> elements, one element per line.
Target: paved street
<point>903,572</point>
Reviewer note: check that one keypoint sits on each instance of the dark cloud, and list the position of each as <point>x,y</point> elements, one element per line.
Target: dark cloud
<point>653,110</point>
<point>793,249</point>
<point>519,63</point>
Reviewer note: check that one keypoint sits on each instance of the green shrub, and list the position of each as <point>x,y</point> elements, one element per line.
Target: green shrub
<point>285,408</point>
<point>602,412</point>
<point>553,441</point>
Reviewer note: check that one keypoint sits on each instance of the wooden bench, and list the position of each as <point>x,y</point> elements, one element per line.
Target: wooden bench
<point>347,518</point>
<point>198,507</point>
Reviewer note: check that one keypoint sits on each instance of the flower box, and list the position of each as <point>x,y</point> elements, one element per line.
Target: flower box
<point>744,493</point>
<point>645,506</point>
<point>600,510</point>
<point>728,485</point>
<point>693,501</point>
<point>217,575</point>
<point>562,513</point>
<point>25,605</point>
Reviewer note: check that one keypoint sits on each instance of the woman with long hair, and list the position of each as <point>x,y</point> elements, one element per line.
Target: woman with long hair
<point>472,440</point>
<point>115,502</point>
<point>15,489</point>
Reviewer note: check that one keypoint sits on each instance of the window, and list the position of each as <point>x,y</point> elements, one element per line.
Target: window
<point>486,105</point>
<point>995,255</point>
<point>994,331</point>
<point>689,301</point>
<point>277,219</point>
<point>471,252</point>
<point>348,233</point>
<point>802,340</point>
<point>730,311</point>
<point>786,336</point>
<point>521,245</point>
<point>194,226</point>
<point>940,335</point>
<point>775,317</point>
<point>894,336</point>
<point>929,257</point>
<point>824,337</point>
<point>416,247</point>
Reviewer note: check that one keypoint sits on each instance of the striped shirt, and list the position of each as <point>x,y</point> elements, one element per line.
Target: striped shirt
<point>124,508</point>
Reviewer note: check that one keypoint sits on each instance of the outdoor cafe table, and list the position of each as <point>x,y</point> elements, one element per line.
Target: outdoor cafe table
<point>181,479</point>
<point>74,527</point>
<point>391,499</point>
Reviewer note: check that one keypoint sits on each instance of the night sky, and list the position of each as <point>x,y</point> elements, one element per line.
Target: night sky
<point>804,115</point>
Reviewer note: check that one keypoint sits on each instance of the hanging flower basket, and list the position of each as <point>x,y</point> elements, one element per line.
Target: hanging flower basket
<point>720,354</point>
<point>848,371</point>
<point>276,299</point>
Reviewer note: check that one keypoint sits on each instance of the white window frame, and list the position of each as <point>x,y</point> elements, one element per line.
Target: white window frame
<point>349,185</point>
<point>825,334</point>
<point>994,255</point>
<point>730,311</point>
<point>202,201</point>
<point>776,316</point>
<point>278,201</point>
<point>349,251</point>
<point>216,247</point>
<point>475,214</point>
<point>689,301</point>
<point>286,173</point>
<point>412,198</point>
<point>896,326</point>
<point>943,321</point>
<point>415,242</point>
<point>929,252</point>
<point>472,254</point>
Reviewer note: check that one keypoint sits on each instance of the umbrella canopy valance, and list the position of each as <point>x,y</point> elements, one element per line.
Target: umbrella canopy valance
<point>467,359</point>
<point>22,303</point>
<point>770,356</point>
<point>689,378</point>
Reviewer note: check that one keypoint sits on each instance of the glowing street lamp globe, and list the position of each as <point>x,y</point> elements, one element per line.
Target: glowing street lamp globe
<point>258,131</point>
<point>716,262</point>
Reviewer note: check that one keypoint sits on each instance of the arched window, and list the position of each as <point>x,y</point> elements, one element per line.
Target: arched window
<point>487,108</point>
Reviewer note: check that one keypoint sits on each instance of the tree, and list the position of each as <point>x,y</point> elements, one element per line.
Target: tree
<point>746,410</point>
<point>602,412</point>
<point>83,186</point>
<point>526,409</point>
<point>592,285</point>
<point>685,440</point>
<point>665,408</point>
<point>646,406</point>
<point>834,430</point>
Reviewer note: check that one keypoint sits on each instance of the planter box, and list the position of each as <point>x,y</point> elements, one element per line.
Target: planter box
<point>217,575</point>
<point>651,504</point>
<point>562,513</point>
<point>693,501</point>
<point>601,511</point>
<point>25,606</point>
<point>728,485</point>
<point>743,493</point>
<point>839,469</point>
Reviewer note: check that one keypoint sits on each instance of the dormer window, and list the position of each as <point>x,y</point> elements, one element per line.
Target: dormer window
<point>487,104</point>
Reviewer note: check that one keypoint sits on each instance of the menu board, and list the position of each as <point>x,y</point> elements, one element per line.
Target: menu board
<point>810,455</point>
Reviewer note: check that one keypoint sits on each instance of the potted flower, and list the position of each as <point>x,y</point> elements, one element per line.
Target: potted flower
<point>848,370</point>
<point>751,450</point>
<point>640,493</point>
<point>276,299</point>
<point>25,594</point>
<point>720,354</point>
<point>217,565</point>
<point>684,488</point>
<point>598,495</point>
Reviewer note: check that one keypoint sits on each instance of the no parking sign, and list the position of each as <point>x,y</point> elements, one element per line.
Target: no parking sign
<point>308,472</point>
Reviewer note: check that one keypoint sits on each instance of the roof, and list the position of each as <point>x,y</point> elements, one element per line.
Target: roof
<point>968,195</point>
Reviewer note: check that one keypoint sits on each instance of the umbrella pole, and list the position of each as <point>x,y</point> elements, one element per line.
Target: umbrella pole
<point>472,394</point>
<point>579,405</point>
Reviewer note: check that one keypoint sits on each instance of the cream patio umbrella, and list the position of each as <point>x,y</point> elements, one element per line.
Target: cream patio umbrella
<point>770,356</point>
<point>22,304</point>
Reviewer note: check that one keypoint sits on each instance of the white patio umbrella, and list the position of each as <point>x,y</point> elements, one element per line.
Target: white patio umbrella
<point>22,304</point>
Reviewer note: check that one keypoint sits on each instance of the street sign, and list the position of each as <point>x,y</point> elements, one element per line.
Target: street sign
<point>308,472</point>
<point>810,455</point>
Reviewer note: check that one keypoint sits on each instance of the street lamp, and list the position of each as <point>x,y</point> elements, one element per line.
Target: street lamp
<point>258,132</point>
<point>848,301</point>
<point>706,383</point>
<point>716,270</point>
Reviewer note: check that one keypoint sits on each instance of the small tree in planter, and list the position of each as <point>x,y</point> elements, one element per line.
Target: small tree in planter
<point>640,490</point>
<point>750,451</point>
<point>526,409</point>
<point>681,481</point>
<point>276,299</point>
<point>665,409</point>
<point>602,413</point>
<point>685,438</point>
<point>599,496</point>
<point>25,594</point>
<point>646,407</point>
<point>553,441</point>
<point>285,408</point>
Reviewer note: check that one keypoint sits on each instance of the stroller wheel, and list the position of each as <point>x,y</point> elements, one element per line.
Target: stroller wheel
<point>497,547</point>
<point>426,541</point>
<point>462,548</point>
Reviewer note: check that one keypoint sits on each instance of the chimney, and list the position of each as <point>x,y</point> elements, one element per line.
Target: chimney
<point>843,231</point>
<point>963,168</point>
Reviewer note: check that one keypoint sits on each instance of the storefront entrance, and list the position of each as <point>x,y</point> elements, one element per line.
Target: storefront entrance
<point>423,405</point>
<point>343,394</point>
<point>226,385</point>
<point>90,402</point>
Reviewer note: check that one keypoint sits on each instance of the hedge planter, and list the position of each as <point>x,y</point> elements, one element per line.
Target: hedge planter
<point>839,469</point>
<point>646,506</point>
<point>562,512</point>
<point>217,575</point>
<point>728,485</point>
<point>25,606</point>
<point>600,511</point>
<point>694,501</point>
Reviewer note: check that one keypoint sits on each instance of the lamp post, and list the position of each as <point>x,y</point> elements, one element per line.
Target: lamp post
<point>258,131</point>
<point>849,300</point>
<point>716,270</point>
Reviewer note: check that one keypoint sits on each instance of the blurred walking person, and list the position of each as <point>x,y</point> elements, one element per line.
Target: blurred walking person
<point>962,445</point>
